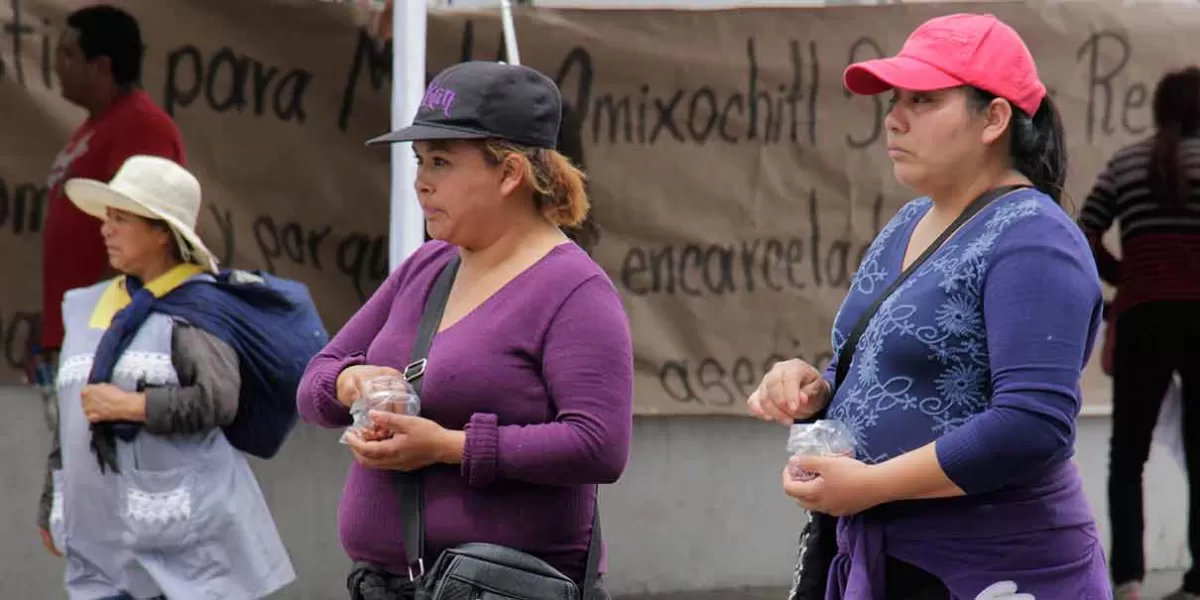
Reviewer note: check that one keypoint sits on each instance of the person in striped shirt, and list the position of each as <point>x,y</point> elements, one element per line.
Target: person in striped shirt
<point>1151,188</point>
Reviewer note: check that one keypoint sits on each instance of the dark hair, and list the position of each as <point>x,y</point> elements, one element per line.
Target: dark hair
<point>109,31</point>
<point>1176,116</point>
<point>1037,146</point>
<point>160,225</point>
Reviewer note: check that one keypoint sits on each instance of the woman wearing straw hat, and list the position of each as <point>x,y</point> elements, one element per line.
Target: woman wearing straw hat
<point>149,498</point>
<point>960,344</point>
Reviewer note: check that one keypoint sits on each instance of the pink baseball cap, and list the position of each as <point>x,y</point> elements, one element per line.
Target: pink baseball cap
<point>955,50</point>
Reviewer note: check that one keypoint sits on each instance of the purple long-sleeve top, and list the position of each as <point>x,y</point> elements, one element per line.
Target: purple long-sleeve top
<point>540,376</point>
<point>981,350</point>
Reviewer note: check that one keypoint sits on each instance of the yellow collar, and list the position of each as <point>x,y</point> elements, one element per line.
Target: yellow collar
<point>115,297</point>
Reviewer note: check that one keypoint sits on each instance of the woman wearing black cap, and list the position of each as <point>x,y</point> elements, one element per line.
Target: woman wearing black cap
<point>526,395</point>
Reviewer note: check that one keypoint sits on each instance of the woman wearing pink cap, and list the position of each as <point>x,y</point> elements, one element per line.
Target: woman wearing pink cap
<point>959,346</point>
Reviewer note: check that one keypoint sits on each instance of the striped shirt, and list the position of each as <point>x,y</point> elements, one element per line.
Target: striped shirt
<point>1160,242</point>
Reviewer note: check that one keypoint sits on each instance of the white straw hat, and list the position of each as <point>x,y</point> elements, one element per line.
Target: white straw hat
<point>154,188</point>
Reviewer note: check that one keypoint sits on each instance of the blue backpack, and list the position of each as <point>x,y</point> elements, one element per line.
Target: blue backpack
<point>273,325</point>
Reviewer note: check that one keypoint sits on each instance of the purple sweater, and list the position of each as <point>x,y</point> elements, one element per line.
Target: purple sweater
<point>981,350</point>
<point>540,376</point>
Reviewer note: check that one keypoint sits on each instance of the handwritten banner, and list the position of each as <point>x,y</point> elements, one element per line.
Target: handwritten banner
<point>737,184</point>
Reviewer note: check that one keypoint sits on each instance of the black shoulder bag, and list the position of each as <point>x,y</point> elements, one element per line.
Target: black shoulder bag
<point>818,540</point>
<point>477,571</point>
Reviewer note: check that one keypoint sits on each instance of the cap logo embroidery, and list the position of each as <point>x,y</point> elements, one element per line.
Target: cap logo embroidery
<point>438,98</point>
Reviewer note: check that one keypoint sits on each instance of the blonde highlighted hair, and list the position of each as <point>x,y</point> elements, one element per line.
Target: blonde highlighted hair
<point>558,186</point>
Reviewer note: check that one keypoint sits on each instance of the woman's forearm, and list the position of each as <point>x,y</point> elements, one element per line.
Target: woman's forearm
<point>914,475</point>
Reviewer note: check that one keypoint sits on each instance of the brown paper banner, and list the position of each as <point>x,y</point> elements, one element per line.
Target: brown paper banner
<point>736,182</point>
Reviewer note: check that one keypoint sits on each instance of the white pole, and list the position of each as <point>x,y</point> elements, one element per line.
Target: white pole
<point>510,32</point>
<point>407,229</point>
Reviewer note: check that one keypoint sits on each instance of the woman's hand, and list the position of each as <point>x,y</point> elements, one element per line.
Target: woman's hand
<point>107,402</point>
<point>791,390</point>
<point>350,380</point>
<point>843,486</point>
<point>413,443</point>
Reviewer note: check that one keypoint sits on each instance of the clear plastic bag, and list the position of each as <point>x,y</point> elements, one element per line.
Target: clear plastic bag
<point>826,437</point>
<point>386,393</point>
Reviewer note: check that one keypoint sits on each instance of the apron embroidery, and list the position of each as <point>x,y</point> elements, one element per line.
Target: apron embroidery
<point>56,508</point>
<point>151,368</point>
<point>159,507</point>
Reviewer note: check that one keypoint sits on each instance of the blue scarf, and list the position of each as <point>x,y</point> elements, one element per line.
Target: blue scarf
<point>254,319</point>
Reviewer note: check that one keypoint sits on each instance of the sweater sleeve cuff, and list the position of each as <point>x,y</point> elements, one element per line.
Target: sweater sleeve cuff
<point>325,389</point>
<point>479,464</point>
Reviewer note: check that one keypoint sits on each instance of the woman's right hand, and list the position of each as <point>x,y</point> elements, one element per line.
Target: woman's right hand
<point>350,380</point>
<point>48,542</point>
<point>792,389</point>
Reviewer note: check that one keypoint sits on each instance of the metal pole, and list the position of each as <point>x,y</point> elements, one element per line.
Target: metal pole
<point>406,231</point>
<point>510,32</point>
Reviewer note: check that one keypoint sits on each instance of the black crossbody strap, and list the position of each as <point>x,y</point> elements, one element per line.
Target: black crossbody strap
<point>847,353</point>
<point>411,498</point>
<point>593,555</point>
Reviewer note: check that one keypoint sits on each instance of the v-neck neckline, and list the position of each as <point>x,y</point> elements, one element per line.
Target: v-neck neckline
<point>511,283</point>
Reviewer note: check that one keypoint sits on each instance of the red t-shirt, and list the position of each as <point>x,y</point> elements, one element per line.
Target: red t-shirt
<point>72,248</point>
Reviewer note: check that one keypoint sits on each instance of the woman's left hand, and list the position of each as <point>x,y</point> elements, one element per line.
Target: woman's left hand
<point>107,402</point>
<point>843,486</point>
<point>415,442</point>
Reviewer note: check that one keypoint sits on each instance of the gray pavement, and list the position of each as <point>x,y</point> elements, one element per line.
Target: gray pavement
<point>1161,583</point>
<point>1158,584</point>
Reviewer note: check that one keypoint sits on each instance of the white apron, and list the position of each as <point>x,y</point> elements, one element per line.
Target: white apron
<point>185,518</point>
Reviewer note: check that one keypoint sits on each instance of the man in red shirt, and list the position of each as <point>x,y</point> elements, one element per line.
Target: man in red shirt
<point>99,65</point>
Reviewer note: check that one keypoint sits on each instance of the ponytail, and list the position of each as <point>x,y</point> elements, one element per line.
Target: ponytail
<point>558,186</point>
<point>1168,181</point>
<point>1176,116</point>
<point>560,192</point>
<point>1039,149</point>
<point>570,143</point>
<point>1037,145</point>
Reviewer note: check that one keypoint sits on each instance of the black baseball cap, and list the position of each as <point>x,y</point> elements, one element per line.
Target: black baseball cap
<point>480,100</point>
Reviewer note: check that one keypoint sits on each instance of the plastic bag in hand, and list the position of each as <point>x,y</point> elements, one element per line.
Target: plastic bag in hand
<point>827,437</point>
<point>387,393</point>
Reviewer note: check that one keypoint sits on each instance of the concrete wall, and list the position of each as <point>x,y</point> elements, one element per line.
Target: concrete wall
<point>698,508</point>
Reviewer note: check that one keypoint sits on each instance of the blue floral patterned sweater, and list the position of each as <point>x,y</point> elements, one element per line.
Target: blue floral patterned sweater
<point>981,349</point>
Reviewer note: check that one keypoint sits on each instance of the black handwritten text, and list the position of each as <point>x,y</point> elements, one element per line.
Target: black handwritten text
<point>229,81</point>
<point>759,264</point>
<point>22,207</point>
<point>711,382</point>
<point>1107,99</point>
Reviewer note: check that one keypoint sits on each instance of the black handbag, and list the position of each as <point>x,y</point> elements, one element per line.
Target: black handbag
<point>818,539</point>
<point>475,571</point>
